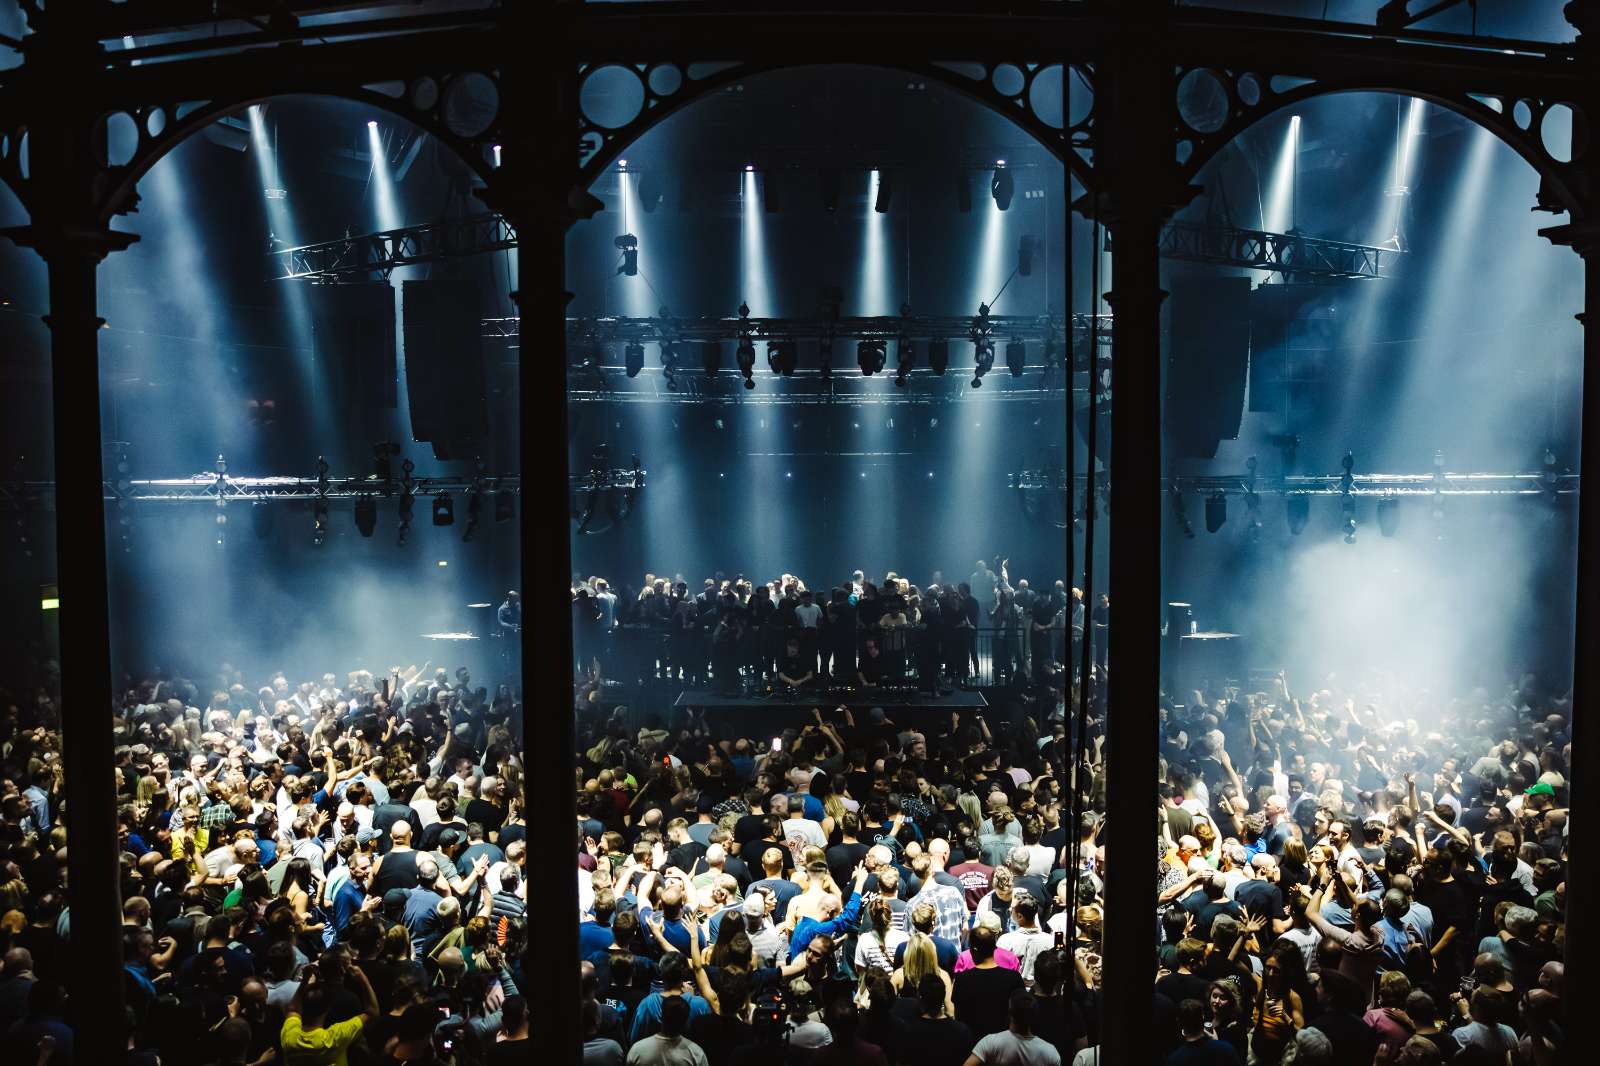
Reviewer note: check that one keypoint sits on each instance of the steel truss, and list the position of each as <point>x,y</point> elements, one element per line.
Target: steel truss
<point>1308,258</point>
<point>223,489</point>
<point>1546,485</point>
<point>382,252</point>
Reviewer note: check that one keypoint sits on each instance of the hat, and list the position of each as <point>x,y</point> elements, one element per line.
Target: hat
<point>395,897</point>
<point>1543,788</point>
<point>755,904</point>
<point>810,1036</point>
<point>367,835</point>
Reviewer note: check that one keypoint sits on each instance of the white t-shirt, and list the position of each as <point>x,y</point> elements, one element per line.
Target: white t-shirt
<point>1026,945</point>
<point>806,830</point>
<point>807,614</point>
<point>1009,1049</point>
<point>659,1050</point>
<point>870,952</point>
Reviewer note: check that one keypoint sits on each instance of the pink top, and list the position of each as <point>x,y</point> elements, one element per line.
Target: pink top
<point>1002,958</point>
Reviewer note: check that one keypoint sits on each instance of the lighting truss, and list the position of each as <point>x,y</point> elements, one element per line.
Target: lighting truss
<point>224,489</point>
<point>352,258</point>
<point>1284,253</point>
<point>1381,485</point>
<point>358,256</point>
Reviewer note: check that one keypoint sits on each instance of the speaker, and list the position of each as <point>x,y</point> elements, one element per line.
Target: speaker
<point>445,373</point>
<point>1291,337</point>
<point>352,329</point>
<point>1207,361</point>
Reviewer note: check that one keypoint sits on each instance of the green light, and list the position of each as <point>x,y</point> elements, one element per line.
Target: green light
<point>49,603</point>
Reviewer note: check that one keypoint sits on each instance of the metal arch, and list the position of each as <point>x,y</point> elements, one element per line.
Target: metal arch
<point>1564,182</point>
<point>1063,142</point>
<point>119,193</point>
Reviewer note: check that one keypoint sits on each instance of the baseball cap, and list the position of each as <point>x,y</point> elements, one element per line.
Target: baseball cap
<point>1543,788</point>
<point>395,897</point>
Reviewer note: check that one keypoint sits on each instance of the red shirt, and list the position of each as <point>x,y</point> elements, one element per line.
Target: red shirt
<point>975,880</point>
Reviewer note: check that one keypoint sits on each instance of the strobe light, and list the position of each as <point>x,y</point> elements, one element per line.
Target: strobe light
<point>870,357</point>
<point>1016,357</point>
<point>983,360</point>
<point>781,357</point>
<point>1216,512</point>
<point>444,510</point>
<point>366,515</point>
<point>745,355</point>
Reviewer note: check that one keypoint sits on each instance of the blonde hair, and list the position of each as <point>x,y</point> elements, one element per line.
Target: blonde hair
<point>970,809</point>
<point>921,960</point>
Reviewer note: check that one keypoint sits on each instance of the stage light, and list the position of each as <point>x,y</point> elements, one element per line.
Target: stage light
<point>983,360</point>
<point>1347,524</point>
<point>938,356</point>
<point>1388,516</point>
<point>745,356</point>
<point>870,356</point>
<point>885,192</point>
<point>372,124</point>
<point>633,358</point>
<point>711,357</point>
<point>319,521</point>
<point>1180,513</point>
<point>781,357</point>
<point>905,360</point>
<point>444,510</point>
<point>505,506</point>
<point>1216,512</point>
<point>1297,510</point>
<point>964,192</point>
<point>1002,186</point>
<point>1016,357</point>
<point>366,515</point>
<point>628,245</point>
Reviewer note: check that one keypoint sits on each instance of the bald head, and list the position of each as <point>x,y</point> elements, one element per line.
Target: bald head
<point>400,833</point>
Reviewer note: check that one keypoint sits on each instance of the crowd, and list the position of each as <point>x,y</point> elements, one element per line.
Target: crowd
<point>1350,876</point>
<point>336,870</point>
<point>313,874</point>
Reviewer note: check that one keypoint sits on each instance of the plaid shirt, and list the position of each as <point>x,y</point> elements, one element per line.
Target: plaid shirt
<point>950,909</point>
<point>216,816</point>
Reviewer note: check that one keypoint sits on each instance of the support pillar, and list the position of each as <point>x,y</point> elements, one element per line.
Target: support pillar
<point>535,189</point>
<point>72,252</point>
<point>1133,162</point>
<point>1582,928</point>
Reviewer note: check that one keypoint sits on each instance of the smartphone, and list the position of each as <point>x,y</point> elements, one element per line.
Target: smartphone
<point>386,690</point>
<point>777,743</point>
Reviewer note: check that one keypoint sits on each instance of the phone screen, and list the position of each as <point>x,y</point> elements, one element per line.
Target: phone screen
<point>777,743</point>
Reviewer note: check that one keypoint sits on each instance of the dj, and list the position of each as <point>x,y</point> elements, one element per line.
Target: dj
<point>793,669</point>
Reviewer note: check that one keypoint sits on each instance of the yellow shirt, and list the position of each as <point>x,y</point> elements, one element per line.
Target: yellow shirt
<point>318,1047</point>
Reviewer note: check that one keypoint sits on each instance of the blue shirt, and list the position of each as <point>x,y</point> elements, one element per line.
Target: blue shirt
<point>647,1016</point>
<point>38,807</point>
<point>675,932</point>
<point>593,937</point>
<point>808,929</point>
<point>347,903</point>
<point>781,890</point>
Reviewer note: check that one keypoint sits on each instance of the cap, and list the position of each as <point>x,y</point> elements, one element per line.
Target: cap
<point>364,836</point>
<point>810,1036</point>
<point>395,897</point>
<point>1543,788</point>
